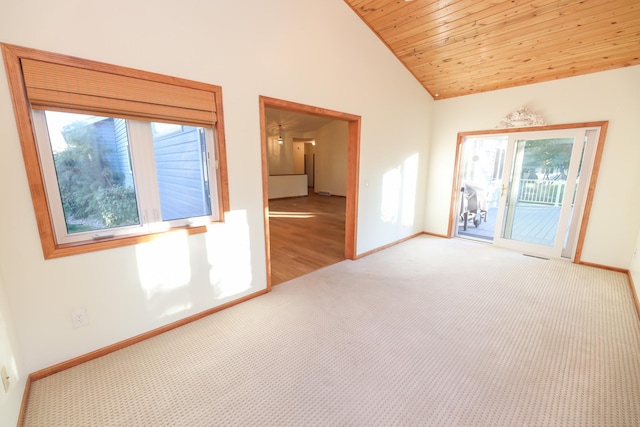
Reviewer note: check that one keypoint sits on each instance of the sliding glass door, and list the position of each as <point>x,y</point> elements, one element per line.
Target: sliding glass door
<point>526,190</point>
<point>538,189</point>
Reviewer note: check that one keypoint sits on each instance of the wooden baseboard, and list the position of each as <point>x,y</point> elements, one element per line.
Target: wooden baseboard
<point>444,236</point>
<point>138,338</point>
<point>634,294</point>
<point>632,286</point>
<point>388,245</point>
<point>34,376</point>
<point>122,344</point>
<point>588,264</point>
<point>604,267</point>
<point>25,399</point>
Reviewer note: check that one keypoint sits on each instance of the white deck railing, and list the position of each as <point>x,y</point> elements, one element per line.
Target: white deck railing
<point>542,191</point>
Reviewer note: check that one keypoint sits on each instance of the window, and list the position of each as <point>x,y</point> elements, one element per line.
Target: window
<point>114,155</point>
<point>109,177</point>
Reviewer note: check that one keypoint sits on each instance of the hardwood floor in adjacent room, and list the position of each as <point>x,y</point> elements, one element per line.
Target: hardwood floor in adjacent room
<point>306,233</point>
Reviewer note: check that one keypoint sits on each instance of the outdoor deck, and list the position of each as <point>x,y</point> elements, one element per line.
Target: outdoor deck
<point>532,223</point>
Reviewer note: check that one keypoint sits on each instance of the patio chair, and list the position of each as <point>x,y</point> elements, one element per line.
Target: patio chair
<point>473,205</point>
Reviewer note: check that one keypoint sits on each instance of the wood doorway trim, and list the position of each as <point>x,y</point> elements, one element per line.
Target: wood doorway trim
<point>353,162</point>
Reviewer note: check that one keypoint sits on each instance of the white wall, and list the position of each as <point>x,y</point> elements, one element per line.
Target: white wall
<point>281,186</point>
<point>331,167</point>
<point>298,157</point>
<point>250,48</point>
<point>393,170</point>
<point>612,95</point>
<point>635,266</point>
<point>280,156</point>
<point>331,151</point>
<point>11,358</point>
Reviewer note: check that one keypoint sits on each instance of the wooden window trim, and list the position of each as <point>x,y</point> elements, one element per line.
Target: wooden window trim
<point>21,105</point>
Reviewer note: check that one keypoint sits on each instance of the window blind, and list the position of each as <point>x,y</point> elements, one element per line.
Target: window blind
<point>115,94</point>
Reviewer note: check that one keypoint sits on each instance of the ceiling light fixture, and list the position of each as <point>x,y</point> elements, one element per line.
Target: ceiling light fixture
<point>280,140</point>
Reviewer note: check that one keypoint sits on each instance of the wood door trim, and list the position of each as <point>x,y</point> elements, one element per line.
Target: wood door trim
<point>453,216</point>
<point>353,164</point>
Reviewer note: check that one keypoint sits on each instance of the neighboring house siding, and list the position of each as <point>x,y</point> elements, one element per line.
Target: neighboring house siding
<point>179,166</point>
<point>105,135</point>
<point>179,169</point>
<point>122,150</point>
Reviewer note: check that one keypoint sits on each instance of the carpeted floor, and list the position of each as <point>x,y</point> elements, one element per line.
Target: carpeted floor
<point>429,332</point>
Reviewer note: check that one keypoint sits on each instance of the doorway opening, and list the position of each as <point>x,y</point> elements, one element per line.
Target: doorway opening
<point>302,150</point>
<point>527,189</point>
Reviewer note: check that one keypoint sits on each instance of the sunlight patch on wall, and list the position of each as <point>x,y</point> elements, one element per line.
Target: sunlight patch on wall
<point>7,359</point>
<point>409,188</point>
<point>391,186</point>
<point>229,253</point>
<point>399,193</point>
<point>164,263</point>
<point>177,308</point>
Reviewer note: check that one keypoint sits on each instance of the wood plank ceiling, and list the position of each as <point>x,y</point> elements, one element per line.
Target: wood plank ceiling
<point>461,47</point>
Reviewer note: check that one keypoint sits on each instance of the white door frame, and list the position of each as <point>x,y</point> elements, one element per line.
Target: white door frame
<point>557,250</point>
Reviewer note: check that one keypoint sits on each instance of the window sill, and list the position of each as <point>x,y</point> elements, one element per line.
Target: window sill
<point>68,249</point>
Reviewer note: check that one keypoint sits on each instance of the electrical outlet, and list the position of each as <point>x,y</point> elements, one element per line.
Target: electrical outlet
<point>79,317</point>
<point>5,379</point>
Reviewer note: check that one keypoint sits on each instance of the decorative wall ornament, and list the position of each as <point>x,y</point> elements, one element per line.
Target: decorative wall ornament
<point>521,117</point>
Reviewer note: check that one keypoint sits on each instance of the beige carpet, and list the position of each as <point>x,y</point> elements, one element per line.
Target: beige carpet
<point>429,332</point>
